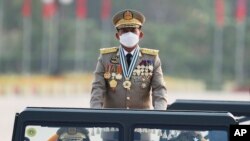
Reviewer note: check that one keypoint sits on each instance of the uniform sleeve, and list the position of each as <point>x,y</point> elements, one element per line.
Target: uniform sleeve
<point>98,86</point>
<point>159,91</point>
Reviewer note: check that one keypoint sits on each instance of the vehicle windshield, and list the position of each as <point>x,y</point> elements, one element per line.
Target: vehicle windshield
<point>46,133</point>
<point>168,134</point>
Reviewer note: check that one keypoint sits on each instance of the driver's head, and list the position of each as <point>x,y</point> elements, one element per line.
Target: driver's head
<point>73,134</point>
<point>189,136</point>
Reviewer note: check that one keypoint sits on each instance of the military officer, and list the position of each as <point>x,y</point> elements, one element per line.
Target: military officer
<point>70,134</point>
<point>129,76</point>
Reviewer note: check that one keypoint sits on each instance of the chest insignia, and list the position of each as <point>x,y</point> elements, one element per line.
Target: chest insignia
<point>114,60</point>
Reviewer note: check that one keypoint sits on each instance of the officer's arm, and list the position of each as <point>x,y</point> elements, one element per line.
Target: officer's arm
<point>98,86</point>
<point>159,91</point>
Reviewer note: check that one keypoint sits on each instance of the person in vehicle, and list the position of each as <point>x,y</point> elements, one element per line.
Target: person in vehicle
<point>188,136</point>
<point>70,134</point>
<point>128,76</point>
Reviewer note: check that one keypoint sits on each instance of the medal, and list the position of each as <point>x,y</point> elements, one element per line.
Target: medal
<point>113,74</point>
<point>134,73</point>
<point>150,67</point>
<point>113,84</point>
<point>138,72</point>
<point>113,71</point>
<point>107,74</point>
<point>127,84</point>
<point>118,76</point>
<point>119,72</point>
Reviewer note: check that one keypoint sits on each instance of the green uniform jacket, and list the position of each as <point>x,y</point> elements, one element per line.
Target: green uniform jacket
<point>145,92</point>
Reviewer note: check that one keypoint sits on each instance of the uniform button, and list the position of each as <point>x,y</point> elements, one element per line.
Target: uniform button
<point>127,107</point>
<point>128,98</point>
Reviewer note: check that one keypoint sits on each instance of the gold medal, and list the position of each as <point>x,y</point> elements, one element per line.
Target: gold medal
<point>107,74</point>
<point>113,84</point>
<point>113,71</point>
<point>127,84</point>
<point>119,72</point>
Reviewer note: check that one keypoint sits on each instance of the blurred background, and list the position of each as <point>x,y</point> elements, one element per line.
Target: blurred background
<point>49,49</point>
<point>44,42</point>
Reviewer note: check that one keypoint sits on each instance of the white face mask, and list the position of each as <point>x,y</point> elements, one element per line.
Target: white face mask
<point>129,39</point>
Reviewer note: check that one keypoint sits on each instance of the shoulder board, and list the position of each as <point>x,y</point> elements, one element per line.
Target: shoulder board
<point>108,50</point>
<point>149,51</point>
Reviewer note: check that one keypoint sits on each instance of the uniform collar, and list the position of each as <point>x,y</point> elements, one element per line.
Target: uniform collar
<point>125,52</point>
<point>132,52</point>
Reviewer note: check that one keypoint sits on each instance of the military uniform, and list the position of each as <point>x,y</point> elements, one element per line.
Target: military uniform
<point>138,84</point>
<point>142,81</point>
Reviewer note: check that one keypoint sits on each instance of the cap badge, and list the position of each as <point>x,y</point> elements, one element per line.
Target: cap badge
<point>128,15</point>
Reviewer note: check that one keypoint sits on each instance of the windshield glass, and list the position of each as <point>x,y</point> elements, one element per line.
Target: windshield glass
<point>46,133</point>
<point>157,134</point>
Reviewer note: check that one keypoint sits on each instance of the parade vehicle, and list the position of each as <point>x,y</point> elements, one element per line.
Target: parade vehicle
<point>77,124</point>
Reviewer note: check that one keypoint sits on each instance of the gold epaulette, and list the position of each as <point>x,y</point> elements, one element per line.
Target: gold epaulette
<point>149,51</point>
<point>108,50</point>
